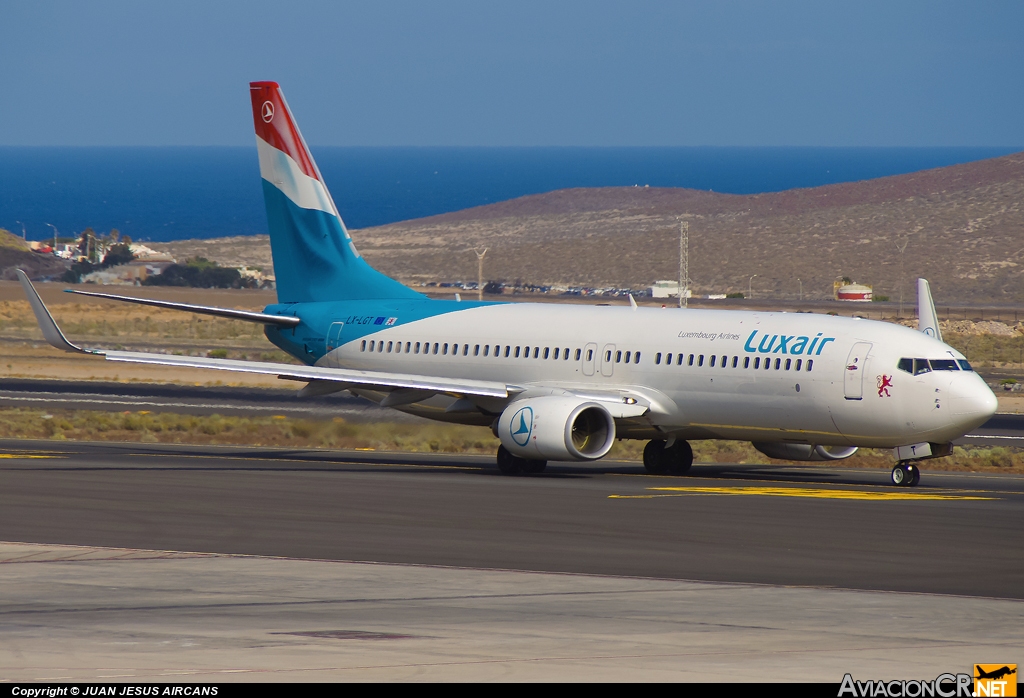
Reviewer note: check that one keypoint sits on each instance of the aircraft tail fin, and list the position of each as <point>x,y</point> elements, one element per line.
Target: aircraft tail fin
<point>314,257</point>
<point>927,318</point>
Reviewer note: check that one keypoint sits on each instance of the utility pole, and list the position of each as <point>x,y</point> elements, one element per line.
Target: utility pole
<point>684,264</point>
<point>480,272</point>
<point>23,234</point>
<point>901,248</point>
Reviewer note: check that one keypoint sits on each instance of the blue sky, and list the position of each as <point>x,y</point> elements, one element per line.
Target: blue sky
<point>519,73</point>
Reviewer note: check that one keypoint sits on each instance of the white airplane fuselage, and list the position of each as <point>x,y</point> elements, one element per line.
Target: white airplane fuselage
<point>847,390</point>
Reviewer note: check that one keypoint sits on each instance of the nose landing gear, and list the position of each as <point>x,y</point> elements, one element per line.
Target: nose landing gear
<point>906,474</point>
<point>660,459</point>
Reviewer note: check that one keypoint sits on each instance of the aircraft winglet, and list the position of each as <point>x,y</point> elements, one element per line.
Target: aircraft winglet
<point>46,322</point>
<point>927,318</point>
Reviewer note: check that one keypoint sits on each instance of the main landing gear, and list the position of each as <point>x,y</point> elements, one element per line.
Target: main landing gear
<point>906,474</point>
<point>660,459</point>
<point>514,465</point>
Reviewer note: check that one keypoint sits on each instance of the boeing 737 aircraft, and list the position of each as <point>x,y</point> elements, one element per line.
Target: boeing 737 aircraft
<point>562,382</point>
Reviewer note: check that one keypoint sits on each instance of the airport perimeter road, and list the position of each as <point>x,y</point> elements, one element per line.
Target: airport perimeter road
<point>806,526</point>
<point>187,399</point>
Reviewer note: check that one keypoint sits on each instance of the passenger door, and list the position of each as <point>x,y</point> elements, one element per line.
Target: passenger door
<point>334,341</point>
<point>853,378</point>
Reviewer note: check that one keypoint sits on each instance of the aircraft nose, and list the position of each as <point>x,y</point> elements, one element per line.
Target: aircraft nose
<point>973,403</point>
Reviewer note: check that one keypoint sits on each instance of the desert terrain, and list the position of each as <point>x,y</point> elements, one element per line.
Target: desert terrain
<point>963,227</point>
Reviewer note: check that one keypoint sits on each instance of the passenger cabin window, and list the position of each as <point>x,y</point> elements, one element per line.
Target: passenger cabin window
<point>636,358</point>
<point>746,362</point>
<point>618,357</point>
<point>362,347</point>
<point>590,354</point>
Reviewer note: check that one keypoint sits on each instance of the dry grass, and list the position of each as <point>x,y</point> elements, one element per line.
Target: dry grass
<point>147,427</point>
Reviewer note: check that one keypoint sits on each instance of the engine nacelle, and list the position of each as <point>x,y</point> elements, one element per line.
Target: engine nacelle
<point>787,451</point>
<point>556,428</point>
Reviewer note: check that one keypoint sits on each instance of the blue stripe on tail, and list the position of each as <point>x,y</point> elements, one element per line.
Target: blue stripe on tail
<point>314,261</point>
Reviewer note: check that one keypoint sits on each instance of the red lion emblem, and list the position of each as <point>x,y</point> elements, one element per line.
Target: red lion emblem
<point>884,383</point>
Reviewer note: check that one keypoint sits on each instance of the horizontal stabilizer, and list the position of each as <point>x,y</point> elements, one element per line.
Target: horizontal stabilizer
<point>231,313</point>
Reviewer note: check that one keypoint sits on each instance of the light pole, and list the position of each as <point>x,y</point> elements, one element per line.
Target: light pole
<point>24,236</point>
<point>54,235</point>
<point>480,273</point>
<point>750,287</point>
<point>901,248</point>
<point>801,288</point>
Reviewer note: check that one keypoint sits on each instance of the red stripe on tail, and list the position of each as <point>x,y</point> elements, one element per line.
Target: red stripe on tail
<point>274,124</point>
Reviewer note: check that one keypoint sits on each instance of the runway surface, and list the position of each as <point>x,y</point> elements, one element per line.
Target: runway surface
<point>129,562</point>
<point>187,399</point>
<point>810,526</point>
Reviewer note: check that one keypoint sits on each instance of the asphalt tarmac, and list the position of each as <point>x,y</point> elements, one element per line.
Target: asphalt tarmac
<point>798,525</point>
<point>187,399</point>
<point>138,562</point>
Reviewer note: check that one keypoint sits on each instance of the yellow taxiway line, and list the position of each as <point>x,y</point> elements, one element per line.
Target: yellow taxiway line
<point>808,492</point>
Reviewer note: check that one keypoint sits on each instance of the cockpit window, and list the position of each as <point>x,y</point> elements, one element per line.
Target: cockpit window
<point>964,366</point>
<point>944,365</point>
<point>906,365</point>
<point>921,366</point>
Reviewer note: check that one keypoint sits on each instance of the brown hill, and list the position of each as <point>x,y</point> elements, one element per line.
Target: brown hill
<point>964,226</point>
<point>15,254</point>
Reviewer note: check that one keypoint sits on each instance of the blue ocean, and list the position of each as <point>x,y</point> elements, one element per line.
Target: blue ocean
<point>164,194</point>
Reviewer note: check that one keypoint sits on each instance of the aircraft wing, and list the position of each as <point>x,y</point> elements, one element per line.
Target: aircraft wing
<point>345,378</point>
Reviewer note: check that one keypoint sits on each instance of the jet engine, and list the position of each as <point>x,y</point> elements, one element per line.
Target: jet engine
<point>787,451</point>
<point>556,428</point>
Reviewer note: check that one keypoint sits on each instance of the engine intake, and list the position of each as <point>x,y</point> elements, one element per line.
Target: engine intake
<point>788,451</point>
<point>556,428</point>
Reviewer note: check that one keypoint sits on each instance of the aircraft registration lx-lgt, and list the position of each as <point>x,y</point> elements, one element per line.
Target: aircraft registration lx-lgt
<point>561,382</point>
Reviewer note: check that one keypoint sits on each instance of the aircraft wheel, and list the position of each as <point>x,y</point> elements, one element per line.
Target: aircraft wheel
<point>903,475</point>
<point>679,457</point>
<point>654,457</point>
<point>915,477</point>
<point>534,466</point>
<point>507,463</point>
